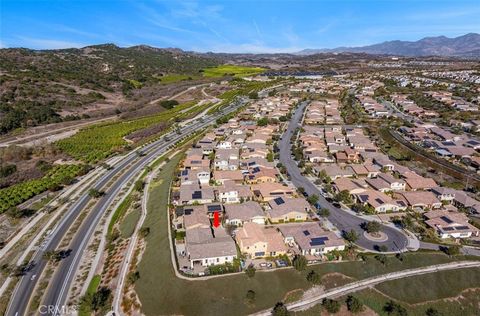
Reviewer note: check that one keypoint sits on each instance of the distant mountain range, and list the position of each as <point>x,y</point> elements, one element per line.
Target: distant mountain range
<point>467,45</point>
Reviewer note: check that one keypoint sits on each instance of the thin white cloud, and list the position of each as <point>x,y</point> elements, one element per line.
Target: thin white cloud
<point>257,29</point>
<point>252,48</point>
<point>42,43</point>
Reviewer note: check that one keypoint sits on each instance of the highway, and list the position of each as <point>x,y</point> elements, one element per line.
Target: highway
<point>344,221</point>
<point>59,285</point>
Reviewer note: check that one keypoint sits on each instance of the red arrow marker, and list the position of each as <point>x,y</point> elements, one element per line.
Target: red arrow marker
<point>216,219</point>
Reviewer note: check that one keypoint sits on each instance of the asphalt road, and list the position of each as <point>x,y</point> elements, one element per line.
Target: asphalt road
<point>344,221</point>
<point>59,285</point>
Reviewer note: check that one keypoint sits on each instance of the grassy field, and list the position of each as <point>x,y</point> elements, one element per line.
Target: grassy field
<point>466,305</point>
<point>232,70</point>
<point>127,226</point>
<point>433,286</point>
<point>161,293</point>
<point>84,309</point>
<point>172,78</point>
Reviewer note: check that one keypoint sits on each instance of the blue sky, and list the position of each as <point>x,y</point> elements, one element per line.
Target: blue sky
<point>231,26</point>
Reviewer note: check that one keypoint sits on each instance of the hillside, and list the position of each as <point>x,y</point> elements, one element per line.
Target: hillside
<point>47,86</point>
<point>467,45</point>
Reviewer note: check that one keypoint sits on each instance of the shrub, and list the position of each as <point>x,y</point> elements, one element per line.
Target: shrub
<point>331,306</point>
<point>300,263</point>
<point>354,305</point>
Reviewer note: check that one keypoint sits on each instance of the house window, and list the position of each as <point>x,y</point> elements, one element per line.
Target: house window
<point>218,260</point>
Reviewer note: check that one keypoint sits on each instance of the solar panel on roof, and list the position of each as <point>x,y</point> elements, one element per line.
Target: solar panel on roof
<point>461,227</point>
<point>379,200</point>
<point>446,219</point>
<point>197,195</point>
<point>279,201</point>
<point>256,169</point>
<point>184,172</point>
<point>448,228</point>
<point>318,241</point>
<point>306,232</point>
<point>251,163</point>
<point>214,208</point>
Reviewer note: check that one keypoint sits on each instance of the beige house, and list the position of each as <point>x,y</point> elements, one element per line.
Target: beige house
<point>284,210</point>
<point>257,241</point>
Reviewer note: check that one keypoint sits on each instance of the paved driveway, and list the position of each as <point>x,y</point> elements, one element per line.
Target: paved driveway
<point>344,221</point>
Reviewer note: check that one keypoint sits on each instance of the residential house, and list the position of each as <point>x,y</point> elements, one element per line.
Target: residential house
<point>450,224</point>
<point>258,241</point>
<point>287,210</point>
<point>238,214</point>
<point>311,239</point>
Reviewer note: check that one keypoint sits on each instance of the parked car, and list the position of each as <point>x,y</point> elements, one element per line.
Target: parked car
<point>266,264</point>
<point>281,263</point>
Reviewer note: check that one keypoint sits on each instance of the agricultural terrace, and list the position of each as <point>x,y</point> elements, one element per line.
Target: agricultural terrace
<point>232,70</point>
<point>21,192</point>
<point>97,142</point>
<point>172,78</point>
<point>245,88</point>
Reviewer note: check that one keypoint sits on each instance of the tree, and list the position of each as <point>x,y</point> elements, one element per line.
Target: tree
<point>382,258</point>
<point>313,277</point>
<point>354,305</point>
<point>250,271</point>
<point>133,276</point>
<point>350,236</point>
<point>138,186</point>
<point>313,199</point>
<point>393,308</point>
<point>453,250</point>
<point>432,312</point>
<point>300,262</point>
<point>372,227</point>
<point>100,298</point>
<point>144,231</point>
<point>400,256</point>
<point>251,296</point>
<point>280,310</point>
<point>322,175</point>
<point>94,193</point>
<point>361,208</point>
<point>253,95</point>
<point>324,212</point>
<point>262,122</point>
<point>332,306</point>
<point>301,190</point>
<point>344,196</point>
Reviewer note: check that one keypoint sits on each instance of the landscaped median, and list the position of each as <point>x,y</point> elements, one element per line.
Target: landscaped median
<point>161,292</point>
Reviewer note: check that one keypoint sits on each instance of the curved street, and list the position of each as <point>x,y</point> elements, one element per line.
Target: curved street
<point>344,221</point>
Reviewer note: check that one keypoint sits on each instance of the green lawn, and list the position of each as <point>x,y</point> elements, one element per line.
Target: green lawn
<point>127,226</point>
<point>232,70</point>
<point>161,293</point>
<point>84,308</point>
<point>466,305</point>
<point>172,78</point>
<point>432,286</point>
